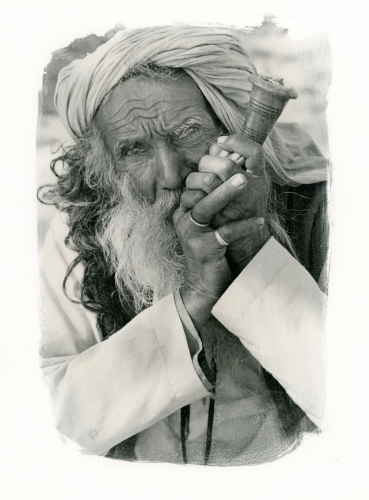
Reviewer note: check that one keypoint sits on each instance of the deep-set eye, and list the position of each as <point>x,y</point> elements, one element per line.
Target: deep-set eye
<point>134,151</point>
<point>187,132</point>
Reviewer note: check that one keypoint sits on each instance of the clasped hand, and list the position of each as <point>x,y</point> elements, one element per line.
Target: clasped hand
<point>231,196</point>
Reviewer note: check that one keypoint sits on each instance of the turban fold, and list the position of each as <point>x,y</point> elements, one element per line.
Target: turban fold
<point>219,65</point>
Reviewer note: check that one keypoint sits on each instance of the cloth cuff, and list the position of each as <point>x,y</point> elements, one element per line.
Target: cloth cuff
<point>195,344</point>
<point>172,340</point>
<point>277,311</point>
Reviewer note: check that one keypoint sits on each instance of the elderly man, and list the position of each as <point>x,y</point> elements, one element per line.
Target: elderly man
<point>190,326</point>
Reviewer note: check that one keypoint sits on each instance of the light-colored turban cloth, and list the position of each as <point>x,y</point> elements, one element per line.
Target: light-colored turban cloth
<point>217,62</point>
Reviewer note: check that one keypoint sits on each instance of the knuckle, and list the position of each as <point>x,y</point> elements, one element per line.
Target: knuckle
<point>214,149</point>
<point>226,233</point>
<point>191,177</point>
<point>210,180</point>
<point>203,162</point>
<point>184,200</point>
<point>187,199</point>
<point>228,164</point>
<point>199,214</point>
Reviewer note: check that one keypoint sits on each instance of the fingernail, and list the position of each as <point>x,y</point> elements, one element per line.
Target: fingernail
<point>260,221</point>
<point>238,180</point>
<point>235,156</point>
<point>222,139</point>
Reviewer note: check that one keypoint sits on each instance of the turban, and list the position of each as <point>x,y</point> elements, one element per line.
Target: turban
<point>220,66</point>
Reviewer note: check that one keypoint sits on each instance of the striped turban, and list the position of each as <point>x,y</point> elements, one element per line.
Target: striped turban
<point>219,65</point>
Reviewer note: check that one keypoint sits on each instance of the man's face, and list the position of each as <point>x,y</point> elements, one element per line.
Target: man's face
<point>157,130</point>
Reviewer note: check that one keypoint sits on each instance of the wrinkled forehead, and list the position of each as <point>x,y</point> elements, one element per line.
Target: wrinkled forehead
<point>169,97</point>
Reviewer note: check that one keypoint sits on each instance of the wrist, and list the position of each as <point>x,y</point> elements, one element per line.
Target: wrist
<point>199,309</point>
<point>241,252</point>
<point>199,301</point>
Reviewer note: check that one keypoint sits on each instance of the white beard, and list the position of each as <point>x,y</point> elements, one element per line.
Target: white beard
<point>142,247</point>
<point>144,251</point>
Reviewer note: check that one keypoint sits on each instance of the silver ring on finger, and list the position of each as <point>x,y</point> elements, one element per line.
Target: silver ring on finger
<point>220,239</point>
<point>198,223</point>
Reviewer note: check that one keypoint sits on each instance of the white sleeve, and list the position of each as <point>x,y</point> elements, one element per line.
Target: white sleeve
<point>277,311</point>
<point>105,392</point>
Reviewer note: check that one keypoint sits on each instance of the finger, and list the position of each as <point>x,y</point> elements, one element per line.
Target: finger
<point>235,156</point>
<point>208,207</point>
<point>233,231</point>
<point>190,197</point>
<point>231,156</point>
<point>206,181</point>
<point>224,168</point>
<point>215,149</point>
<point>249,149</point>
<point>224,154</point>
<point>241,162</point>
<point>178,215</point>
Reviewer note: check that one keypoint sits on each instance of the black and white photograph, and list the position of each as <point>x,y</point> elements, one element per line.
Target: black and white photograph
<point>185,230</point>
<point>184,272</point>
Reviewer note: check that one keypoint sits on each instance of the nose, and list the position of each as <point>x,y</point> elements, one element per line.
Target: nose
<point>171,168</point>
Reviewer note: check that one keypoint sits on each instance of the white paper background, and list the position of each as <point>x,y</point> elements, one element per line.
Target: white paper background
<point>35,464</point>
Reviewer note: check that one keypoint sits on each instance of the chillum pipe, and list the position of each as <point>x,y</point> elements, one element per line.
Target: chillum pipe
<point>268,99</point>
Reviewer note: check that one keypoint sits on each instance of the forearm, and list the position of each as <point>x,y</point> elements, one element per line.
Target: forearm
<point>105,392</point>
<point>241,252</point>
<point>123,385</point>
<point>277,311</point>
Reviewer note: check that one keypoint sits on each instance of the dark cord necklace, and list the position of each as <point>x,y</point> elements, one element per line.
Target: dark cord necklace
<point>185,423</point>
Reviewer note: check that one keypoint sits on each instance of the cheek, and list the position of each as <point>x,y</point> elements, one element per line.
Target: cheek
<point>142,176</point>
